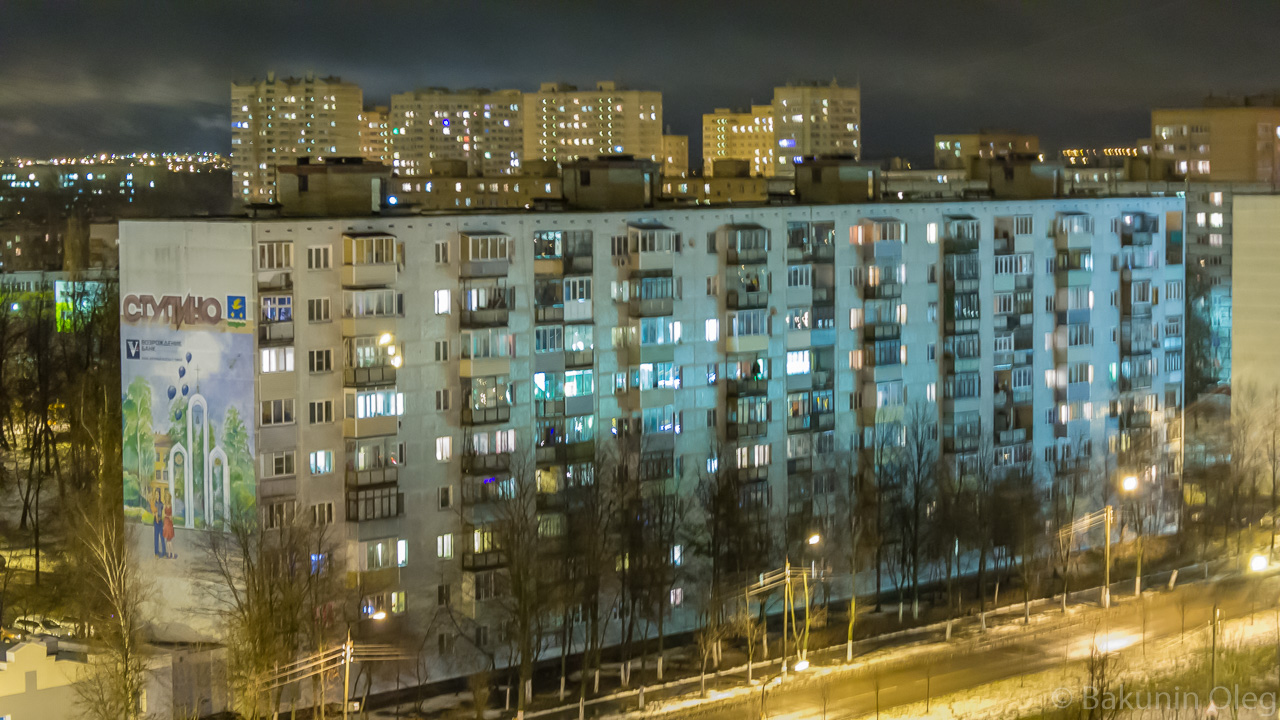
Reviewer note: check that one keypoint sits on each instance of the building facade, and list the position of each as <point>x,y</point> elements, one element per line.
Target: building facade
<point>375,135</point>
<point>812,119</point>
<point>955,151</point>
<point>675,156</point>
<point>279,121</point>
<point>740,135</point>
<point>406,368</point>
<point>1225,140</point>
<point>563,123</point>
<point>484,128</point>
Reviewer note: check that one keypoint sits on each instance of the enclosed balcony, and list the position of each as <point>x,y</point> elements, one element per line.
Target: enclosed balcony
<point>651,246</point>
<point>369,260</point>
<point>1138,228</point>
<point>374,502</point>
<point>1073,230</point>
<point>746,244</point>
<point>486,305</point>
<point>484,254</point>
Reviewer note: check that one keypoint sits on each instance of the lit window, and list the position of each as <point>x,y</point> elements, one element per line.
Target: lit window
<point>443,302</point>
<point>444,448</point>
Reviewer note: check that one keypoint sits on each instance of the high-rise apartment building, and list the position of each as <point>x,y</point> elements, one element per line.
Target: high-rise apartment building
<point>811,119</point>
<point>740,135</point>
<point>1226,140</point>
<point>375,135</point>
<point>279,121</point>
<point>389,377</point>
<point>955,150</point>
<point>675,156</point>
<point>563,123</point>
<point>482,127</point>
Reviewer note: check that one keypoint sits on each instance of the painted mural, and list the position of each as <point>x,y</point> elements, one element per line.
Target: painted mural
<point>188,394</point>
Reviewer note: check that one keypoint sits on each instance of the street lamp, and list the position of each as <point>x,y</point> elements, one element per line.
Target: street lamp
<point>1258,563</point>
<point>1130,486</point>
<point>814,539</point>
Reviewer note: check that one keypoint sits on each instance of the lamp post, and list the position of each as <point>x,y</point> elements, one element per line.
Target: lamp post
<point>1129,485</point>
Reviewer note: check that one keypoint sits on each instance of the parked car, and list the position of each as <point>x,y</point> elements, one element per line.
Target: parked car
<point>38,625</point>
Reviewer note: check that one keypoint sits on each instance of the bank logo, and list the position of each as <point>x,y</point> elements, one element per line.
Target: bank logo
<point>235,310</point>
<point>133,349</point>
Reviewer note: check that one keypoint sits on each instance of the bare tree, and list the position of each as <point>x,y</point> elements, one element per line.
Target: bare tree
<point>919,486</point>
<point>115,677</point>
<point>751,630</point>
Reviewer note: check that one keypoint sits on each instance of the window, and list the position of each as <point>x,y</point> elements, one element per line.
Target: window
<point>321,411</point>
<point>442,252</point>
<point>319,361</point>
<point>443,302</point>
<point>799,276</point>
<point>548,339</point>
<point>444,448</point>
<point>442,399</point>
<point>577,289</point>
<point>1173,290</point>
<point>659,331</point>
<point>677,597</point>
<point>931,233</point>
<point>442,350</point>
<point>277,359</point>
<point>380,402</point>
<point>318,257</point>
<point>277,412</point>
<point>713,285</point>
<point>372,249</point>
<point>372,303</point>
<point>486,247</point>
<point>748,322</point>
<point>712,329</point>
<point>321,462</point>
<point>277,464</point>
<point>275,255</point>
<point>322,514</point>
<point>444,498</point>
<point>578,383</point>
<point>798,362</point>
<point>1022,224</point>
<point>1215,220</point>
<point>444,546</point>
<point>277,514</point>
<point>277,308</point>
<point>318,310</point>
<point>1004,303</point>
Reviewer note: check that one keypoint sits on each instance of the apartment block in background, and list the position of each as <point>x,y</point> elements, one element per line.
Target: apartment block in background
<point>375,135</point>
<point>1229,139</point>
<point>955,151</point>
<point>740,135</point>
<point>481,127</point>
<point>563,123</point>
<point>812,119</point>
<point>278,121</point>
<point>675,156</point>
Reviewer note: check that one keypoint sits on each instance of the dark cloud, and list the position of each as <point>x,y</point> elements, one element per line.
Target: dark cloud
<point>108,75</point>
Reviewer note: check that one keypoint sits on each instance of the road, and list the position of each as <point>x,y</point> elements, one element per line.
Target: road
<point>1040,649</point>
<point>971,660</point>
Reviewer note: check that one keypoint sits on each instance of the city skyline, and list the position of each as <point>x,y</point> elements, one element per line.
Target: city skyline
<point>932,68</point>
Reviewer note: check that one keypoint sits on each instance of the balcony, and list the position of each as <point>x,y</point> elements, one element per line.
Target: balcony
<point>275,333</point>
<point>579,358</point>
<point>565,452</point>
<point>359,377</point>
<point>370,426</point>
<point>473,561</point>
<point>374,502</point>
<point>796,466</point>
<point>486,415</point>
<point>492,267</point>
<point>485,490</point>
<point>1016,436</point>
<point>484,317</point>
<point>275,280</point>
<point>747,429</point>
<point>882,291</point>
<point>814,421</point>
<point>548,313</point>
<point>369,275</point>
<point>758,473</point>
<point>579,262</point>
<point>747,256</point>
<point>388,474</point>
<point>474,463</point>
<point>759,386</point>
<point>882,331</point>
<point>651,307</point>
<point>747,300</point>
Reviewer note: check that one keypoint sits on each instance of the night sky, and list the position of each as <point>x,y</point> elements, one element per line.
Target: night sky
<point>114,76</point>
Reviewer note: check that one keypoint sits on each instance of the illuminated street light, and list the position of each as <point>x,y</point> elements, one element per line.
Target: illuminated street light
<point>1258,563</point>
<point>1129,484</point>
<point>380,615</point>
<point>802,665</point>
<point>814,539</point>
<point>397,361</point>
<point>385,339</point>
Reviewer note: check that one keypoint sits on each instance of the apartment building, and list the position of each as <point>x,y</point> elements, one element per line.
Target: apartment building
<point>740,135</point>
<point>675,156</point>
<point>956,150</point>
<point>1228,139</point>
<point>375,135</point>
<point>563,123</point>
<point>482,127</point>
<point>1254,288</point>
<point>812,119</point>
<point>394,372</point>
<point>278,121</point>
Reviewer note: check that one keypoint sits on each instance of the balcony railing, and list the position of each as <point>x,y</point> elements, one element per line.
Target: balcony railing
<point>484,317</point>
<point>473,561</point>
<point>747,429</point>
<point>748,256</point>
<point>651,307</point>
<point>745,300</point>
<point>758,386</point>
<point>380,375</point>
<point>813,421</point>
<point>579,358</point>
<point>374,503</point>
<point>484,463</point>
<point>882,291</point>
<point>486,415</point>
<point>275,333</point>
